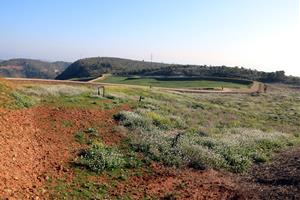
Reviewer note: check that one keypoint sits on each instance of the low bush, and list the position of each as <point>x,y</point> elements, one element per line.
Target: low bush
<point>133,120</point>
<point>56,90</point>
<point>100,157</point>
<point>159,120</point>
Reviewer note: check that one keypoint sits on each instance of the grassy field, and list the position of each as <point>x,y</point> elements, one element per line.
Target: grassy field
<point>199,131</point>
<point>172,83</point>
<point>219,131</point>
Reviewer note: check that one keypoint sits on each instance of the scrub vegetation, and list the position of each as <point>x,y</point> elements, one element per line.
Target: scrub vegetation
<point>218,131</point>
<point>122,137</point>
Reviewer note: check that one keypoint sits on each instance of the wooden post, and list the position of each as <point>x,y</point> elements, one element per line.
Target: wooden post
<point>141,98</point>
<point>98,91</point>
<point>265,88</point>
<point>103,91</point>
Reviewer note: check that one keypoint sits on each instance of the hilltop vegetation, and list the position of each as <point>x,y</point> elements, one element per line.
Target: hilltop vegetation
<point>95,67</point>
<point>218,71</point>
<point>28,68</point>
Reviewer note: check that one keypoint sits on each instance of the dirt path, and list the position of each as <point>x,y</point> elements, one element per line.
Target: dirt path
<point>101,78</point>
<point>256,87</point>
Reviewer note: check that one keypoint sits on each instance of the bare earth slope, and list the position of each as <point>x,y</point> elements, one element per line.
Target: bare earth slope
<point>36,144</point>
<point>279,179</point>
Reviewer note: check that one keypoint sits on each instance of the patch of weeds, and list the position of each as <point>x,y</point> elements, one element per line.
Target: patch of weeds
<point>106,105</point>
<point>235,161</point>
<point>22,101</point>
<point>260,158</point>
<point>100,157</point>
<point>80,137</point>
<point>88,136</point>
<point>66,123</point>
<point>269,145</point>
<point>91,131</point>
<point>198,106</point>
<point>159,120</point>
<point>131,161</point>
<point>133,120</point>
<point>81,187</point>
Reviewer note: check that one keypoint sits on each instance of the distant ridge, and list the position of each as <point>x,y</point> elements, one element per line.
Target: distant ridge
<point>30,68</point>
<point>89,68</point>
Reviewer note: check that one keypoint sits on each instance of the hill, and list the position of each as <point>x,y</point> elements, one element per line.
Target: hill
<point>95,67</point>
<point>28,68</point>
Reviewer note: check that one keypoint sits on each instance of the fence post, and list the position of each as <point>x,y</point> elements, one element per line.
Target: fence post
<point>98,91</point>
<point>103,91</point>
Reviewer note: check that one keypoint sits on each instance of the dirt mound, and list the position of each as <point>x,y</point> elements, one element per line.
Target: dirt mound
<point>37,143</point>
<point>279,179</point>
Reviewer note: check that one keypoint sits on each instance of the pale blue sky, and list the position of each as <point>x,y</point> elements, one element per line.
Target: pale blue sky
<point>261,34</point>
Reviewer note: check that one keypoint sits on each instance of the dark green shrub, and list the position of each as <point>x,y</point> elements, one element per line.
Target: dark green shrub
<point>80,137</point>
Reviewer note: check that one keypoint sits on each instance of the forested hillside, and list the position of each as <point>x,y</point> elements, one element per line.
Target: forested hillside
<point>95,67</point>
<point>217,71</point>
<point>28,68</point>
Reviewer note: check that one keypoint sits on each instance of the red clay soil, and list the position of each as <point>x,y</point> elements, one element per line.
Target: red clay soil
<point>37,143</point>
<point>170,183</point>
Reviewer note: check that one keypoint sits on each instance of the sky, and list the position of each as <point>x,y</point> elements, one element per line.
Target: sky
<point>257,34</point>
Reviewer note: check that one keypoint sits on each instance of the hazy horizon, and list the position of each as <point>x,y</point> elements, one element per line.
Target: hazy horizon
<point>262,35</point>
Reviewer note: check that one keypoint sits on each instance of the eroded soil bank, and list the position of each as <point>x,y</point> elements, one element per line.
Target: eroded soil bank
<point>37,143</point>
